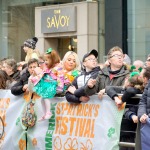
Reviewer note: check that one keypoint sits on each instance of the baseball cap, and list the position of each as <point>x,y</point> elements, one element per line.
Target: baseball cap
<point>92,52</point>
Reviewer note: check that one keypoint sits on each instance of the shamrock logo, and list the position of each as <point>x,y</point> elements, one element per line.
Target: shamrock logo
<point>57,143</point>
<point>17,121</point>
<point>71,144</point>
<point>111,131</point>
<point>87,146</point>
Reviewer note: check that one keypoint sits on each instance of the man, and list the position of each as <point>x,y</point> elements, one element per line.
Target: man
<point>147,63</point>
<point>75,92</point>
<point>22,85</point>
<point>10,67</point>
<point>114,74</point>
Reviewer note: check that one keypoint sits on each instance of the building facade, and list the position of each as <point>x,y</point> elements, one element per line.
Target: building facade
<point>77,25</point>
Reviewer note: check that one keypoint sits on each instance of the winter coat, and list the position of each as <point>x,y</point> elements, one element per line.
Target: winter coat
<point>103,80</point>
<point>79,83</point>
<point>144,104</point>
<point>16,89</point>
<point>131,108</point>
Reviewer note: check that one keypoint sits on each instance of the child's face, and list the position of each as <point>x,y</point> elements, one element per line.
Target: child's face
<point>32,67</point>
<point>48,62</point>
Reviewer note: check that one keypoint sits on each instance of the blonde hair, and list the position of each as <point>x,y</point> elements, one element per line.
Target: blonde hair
<point>113,49</point>
<point>78,64</point>
<point>32,54</point>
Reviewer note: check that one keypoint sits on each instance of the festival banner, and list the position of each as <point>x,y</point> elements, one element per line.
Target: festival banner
<point>94,125</point>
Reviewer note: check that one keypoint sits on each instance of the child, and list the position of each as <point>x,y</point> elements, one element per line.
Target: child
<point>133,85</point>
<point>50,81</point>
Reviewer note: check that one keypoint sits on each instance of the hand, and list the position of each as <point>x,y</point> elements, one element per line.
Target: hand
<point>118,102</point>
<point>25,88</point>
<point>143,118</point>
<point>37,70</point>
<point>91,83</point>
<point>101,93</point>
<point>135,118</point>
<point>84,99</point>
<point>71,89</point>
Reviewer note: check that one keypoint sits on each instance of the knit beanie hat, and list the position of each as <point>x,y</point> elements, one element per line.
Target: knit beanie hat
<point>31,43</point>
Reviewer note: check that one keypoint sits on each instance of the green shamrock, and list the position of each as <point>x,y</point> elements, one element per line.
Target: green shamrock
<point>133,67</point>
<point>111,131</point>
<point>17,121</point>
<point>132,74</point>
<point>140,69</point>
<point>49,51</point>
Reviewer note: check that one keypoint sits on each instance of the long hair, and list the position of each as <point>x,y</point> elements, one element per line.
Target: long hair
<point>3,79</point>
<point>53,58</point>
<point>30,53</point>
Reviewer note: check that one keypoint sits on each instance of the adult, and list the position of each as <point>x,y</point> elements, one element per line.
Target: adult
<point>22,85</point>
<point>147,63</point>
<point>114,74</point>
<point>29,48</point>
<point>139,65</point>
<point>144,112</point>
<point>4,80</point>
<point>71,65</point>
<point>75,93</point>
<point>10,67</point>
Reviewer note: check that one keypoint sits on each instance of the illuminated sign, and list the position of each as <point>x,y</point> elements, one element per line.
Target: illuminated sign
<point>58,20</point>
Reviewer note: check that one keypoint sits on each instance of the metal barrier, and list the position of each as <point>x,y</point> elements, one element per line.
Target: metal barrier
<point>129,144</point>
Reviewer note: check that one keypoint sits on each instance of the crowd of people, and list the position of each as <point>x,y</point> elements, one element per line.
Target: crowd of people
<point>49,76</point>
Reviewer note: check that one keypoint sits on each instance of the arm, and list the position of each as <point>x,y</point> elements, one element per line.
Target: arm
<point>17,89</point>
<point>129,92</point>
<point>143,103</point>
<point>92,86</point>
<point>72,98</point>
<point>113,91</point>
<point>79,91</point>
<point>131,113</point>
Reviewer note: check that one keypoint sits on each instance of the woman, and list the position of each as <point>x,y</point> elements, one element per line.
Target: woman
<point>29,48</point>
<point>71,65</point>
<point>4,80</point>
<point>10,67</point>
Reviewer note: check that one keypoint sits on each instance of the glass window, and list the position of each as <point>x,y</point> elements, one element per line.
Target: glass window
<point>138,29</point>
<point>17,24</point>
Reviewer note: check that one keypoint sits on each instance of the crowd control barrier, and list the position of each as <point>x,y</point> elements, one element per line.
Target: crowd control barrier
<point>87,126</point>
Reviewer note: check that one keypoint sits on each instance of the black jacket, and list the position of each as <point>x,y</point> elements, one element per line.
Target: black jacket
<point>131,106</point>
<point>16,89</point>
<point>79,83</point>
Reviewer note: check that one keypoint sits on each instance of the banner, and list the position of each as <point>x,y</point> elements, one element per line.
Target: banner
<point>87,126</point>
